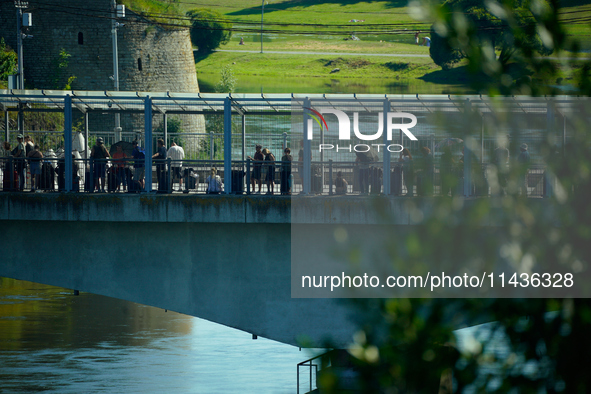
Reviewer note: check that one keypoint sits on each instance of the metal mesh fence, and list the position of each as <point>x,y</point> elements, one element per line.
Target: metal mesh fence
<point>494,132</point>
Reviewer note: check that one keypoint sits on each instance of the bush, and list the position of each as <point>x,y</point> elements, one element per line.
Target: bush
<point>8,61</point>
<point>209,29</point>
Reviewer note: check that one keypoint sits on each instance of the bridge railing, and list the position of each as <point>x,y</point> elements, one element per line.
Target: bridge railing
<point>312,365</point>
<point>279,178</point>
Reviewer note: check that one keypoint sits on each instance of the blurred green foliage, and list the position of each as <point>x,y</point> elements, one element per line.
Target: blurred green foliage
<point>409,345</point>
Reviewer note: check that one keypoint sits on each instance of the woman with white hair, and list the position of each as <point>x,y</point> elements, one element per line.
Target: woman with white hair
<point>214,183</point>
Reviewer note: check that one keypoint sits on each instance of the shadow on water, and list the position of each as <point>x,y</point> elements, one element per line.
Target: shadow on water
<point>85,321</point>
<point>286,5</point>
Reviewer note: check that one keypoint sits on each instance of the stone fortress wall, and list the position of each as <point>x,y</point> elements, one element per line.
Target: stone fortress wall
<point>151,58</point>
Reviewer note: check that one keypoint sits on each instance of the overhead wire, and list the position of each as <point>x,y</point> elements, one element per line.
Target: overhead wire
<point>320,29</point>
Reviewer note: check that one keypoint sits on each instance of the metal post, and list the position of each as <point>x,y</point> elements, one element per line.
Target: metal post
<point>307,150</point>
<point>165,120</point>
<point>330,177</point>
<point>467,155</point>
<point>20,118</point>
<point>247,176</point>
<point>262,14</point>
<point>148,142</point>
<point>19,42</point>
<point>228,145</point>
<point>91,175</point>
<point>322,161</point>
<point>564,134</point>
<point>115,55</point>
<point>243,137</point>
<point>386,171</point>
<point>169,180</point>
<point>549,129</point>
<point>6,126</point>
<point>86,122</point>
<point>482,142</point>
<point>211,142</point>
<point>68,142</point>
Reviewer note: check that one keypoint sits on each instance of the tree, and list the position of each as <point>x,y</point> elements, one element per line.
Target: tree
<point>405,344</point>
<point>227,82</point>
<point>209,29</point>
<point>8,61</point>
<point>488,27</point>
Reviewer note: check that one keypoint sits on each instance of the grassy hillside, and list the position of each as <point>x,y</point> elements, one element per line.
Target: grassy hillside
<point>326,26</point>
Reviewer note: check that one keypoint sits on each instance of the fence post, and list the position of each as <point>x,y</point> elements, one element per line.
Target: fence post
<point>148,142</point>
<point>86,121</point>
<point>548,181</point>
<point>247,176</point>
<point>227,145</point>
<point>330,177</point>
<point>165,120</point>
<point>68,142</point>
<point>91,175</point>
<point>211,144</point>
<point>6,126</point>
<point>386,170</point>
<point>11,169</point>
<point>186,174</point>
<point>467,155</point>
<point>307,167</point>
<point>169,170</point>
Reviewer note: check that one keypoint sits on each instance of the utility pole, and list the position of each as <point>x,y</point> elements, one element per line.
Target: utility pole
<point>19,40</point>
<point>262,14</point>
<point>117,11</point>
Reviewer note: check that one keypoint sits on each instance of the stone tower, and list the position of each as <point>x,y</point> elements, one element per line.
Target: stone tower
<point>151,57</point>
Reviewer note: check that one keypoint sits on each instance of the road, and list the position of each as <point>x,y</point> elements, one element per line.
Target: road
<point>326,53</point>
<point>407,55</point>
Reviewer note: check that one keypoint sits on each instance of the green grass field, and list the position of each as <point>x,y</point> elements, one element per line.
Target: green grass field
<point>325,26</point>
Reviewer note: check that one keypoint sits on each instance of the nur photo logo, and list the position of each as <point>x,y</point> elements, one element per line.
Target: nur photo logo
<point>394,121</point>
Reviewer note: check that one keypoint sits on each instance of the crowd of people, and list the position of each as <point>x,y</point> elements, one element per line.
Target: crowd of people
<point>124,170</point>
<point>264,166</point>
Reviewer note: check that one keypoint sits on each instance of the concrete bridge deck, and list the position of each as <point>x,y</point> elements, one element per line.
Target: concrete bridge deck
<point>224,258</point>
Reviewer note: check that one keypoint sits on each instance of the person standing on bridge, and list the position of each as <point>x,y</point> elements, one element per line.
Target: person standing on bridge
<point>139,167</point>
<point>286,172</point>
<point>270,164</point>
<point>176,154</point>
<point>35,157</point>
<point>99,153</point>
<point>19,154</point>
<point>257,166</point>
<point>160,157</point>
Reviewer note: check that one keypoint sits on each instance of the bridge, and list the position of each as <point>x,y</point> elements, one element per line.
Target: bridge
<point>222,258</point>
<point>229,258</point>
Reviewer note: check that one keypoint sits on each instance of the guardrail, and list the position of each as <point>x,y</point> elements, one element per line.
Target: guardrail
<point>269,178</point>
<point>313,371</point>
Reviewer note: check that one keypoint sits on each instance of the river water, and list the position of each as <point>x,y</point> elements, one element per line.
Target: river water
<point>56,342</point>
